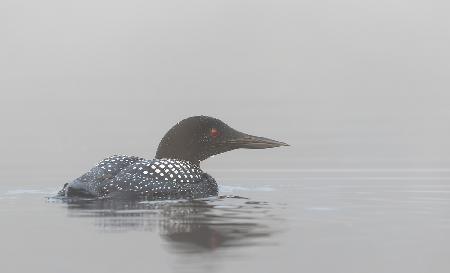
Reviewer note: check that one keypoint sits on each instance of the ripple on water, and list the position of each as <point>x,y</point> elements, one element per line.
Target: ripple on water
<point>185,225</point>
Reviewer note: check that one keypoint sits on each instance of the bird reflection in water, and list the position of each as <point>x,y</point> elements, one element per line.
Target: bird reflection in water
<point>192,226</point>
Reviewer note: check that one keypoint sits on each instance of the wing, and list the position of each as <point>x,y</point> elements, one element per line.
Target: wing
<point>141,179</point>
<point>159,179</point>
<point>88,185</point>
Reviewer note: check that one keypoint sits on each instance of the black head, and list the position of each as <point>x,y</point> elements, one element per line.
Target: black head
<point>196,138</point>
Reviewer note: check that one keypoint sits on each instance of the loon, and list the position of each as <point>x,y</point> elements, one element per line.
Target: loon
<point>175,172</point>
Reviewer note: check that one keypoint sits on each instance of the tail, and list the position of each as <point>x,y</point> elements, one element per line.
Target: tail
<point>75,189</point>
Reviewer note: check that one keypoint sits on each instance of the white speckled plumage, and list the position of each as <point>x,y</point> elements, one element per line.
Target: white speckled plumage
<point>130,176</point>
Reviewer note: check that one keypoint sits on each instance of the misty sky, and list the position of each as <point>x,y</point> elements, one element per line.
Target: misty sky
<point>348,84</point>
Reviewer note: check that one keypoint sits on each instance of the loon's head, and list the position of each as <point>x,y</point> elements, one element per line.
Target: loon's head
<point>196,138</point>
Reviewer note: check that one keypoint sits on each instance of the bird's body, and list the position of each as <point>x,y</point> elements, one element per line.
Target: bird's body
<point>175,172</point>
<point>122,176</point>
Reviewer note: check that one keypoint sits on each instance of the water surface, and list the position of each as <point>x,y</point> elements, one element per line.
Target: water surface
<point>310,220</point>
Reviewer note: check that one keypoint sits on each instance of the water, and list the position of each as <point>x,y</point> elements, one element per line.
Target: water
<point>304,220</point>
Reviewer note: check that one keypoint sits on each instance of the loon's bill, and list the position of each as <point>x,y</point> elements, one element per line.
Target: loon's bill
<point>254,142</point>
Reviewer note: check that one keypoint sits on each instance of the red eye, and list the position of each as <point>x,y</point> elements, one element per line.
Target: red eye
<point>214,133</point>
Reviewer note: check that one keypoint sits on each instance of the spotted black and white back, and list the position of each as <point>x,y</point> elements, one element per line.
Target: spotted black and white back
<point>125,176</point>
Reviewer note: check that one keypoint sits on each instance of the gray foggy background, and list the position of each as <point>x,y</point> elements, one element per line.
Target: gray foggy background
<point>349,84</point>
